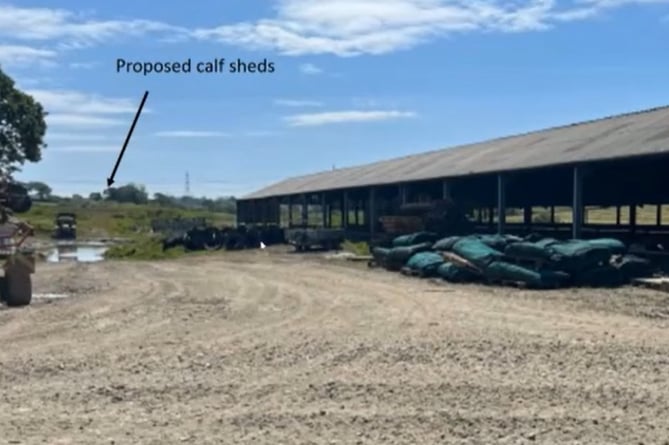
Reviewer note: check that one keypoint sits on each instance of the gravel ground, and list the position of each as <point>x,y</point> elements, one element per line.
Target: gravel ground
<point>270,348</point>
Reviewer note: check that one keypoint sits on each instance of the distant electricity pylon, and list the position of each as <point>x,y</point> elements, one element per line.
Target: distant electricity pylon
<point>187,187</point>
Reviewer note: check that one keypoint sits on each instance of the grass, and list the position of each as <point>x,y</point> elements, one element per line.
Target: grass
<point>113,220</point>
<point>360,248</point>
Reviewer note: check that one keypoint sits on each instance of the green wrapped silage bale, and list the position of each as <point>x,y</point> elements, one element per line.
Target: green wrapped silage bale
<point>546,242</point>
<point>383,258</point>
<point>426,263</point>
<point>497,242</point>
<point>402,254</point>
<point>477,252</point>
<point>503,271</point>
<point>446,244</point>
<point>577,255</point>
<point>616,247</point>
<point>456,274</point>
<point>527,251</point>
<point>414,239</point>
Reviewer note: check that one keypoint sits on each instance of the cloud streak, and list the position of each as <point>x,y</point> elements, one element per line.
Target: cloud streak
<point>297,103</point>
<point>356,27</point>
<point>191,134</point>
<point>84,149</point>
<point>302,27</point>
<point>13,55</point>
<point>349,116</point>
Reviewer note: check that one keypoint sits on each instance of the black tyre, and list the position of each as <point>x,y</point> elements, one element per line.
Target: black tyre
<point>17,287</point>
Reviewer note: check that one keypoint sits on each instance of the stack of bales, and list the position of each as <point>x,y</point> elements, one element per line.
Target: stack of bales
<point>543,263</point>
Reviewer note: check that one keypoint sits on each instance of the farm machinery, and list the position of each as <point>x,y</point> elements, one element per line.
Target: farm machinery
<point>65,226</point>
<point>18,260</point>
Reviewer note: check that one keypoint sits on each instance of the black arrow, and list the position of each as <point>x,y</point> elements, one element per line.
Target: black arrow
<point>110,179</point>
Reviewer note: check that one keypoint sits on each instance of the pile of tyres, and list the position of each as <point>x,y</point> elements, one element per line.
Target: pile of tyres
<point>228,238</point>
<point>542,263</point>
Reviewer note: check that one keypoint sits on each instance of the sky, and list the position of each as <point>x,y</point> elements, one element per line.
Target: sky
<point>354,81</point>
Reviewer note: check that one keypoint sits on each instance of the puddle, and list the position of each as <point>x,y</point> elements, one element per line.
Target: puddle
<point>76,253</point>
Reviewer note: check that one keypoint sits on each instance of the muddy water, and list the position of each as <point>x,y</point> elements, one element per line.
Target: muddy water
<point>83,253</point>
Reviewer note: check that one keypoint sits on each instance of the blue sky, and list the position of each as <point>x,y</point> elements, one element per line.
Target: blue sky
<point>355,81</point>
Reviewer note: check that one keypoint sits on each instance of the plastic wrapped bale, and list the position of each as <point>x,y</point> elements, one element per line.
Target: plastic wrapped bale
<point>632,267</point>
<point>616,247</point>
<point>477,252</point>
<point>497,242</point>
<point>576,256</point>
<point>455,274</point>
<point>599,276</point>
<point>527,251</point>
<point>414,239</point>
<point>425,263</point>
<point>446,244</point>
<point>546,242</point>
<point>503,271</point>
<point>402,254</point>
<point>382,258</point>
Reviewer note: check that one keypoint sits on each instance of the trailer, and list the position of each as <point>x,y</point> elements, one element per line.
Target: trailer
<point>307,238</point>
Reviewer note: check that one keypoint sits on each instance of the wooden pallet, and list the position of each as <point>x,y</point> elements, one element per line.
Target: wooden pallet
<point>661,283</point>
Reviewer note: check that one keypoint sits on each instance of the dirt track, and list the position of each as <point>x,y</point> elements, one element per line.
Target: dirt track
<point>266,348</point>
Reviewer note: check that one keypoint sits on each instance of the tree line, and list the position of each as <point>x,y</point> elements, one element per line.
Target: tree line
<point>133,194</point>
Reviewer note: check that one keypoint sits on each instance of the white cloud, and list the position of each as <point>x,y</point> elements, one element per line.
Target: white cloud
<point>81,120</point>
<point>297,103</point>
<point>310,69</point>
<point>354,27</point>
<point>78,102</point>
<point>68,108</point>
<point>81,137</point>
<point>72,30</point>
<point>11,55</point>
<point>260,134</point>
<point>83,65</point>
<point>191,134</point>
<point>337,117</point>
<point>85,149</point>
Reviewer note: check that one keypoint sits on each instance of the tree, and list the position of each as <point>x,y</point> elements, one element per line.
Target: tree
<point>95,196</point>
<point>129,193</point>
<point>22,127</point>
<point>41,190</point>
<point>163,200</point>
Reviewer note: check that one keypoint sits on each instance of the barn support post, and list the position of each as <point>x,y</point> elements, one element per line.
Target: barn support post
<point>324,211</point>
<point>305,211</point>
<point>290,211</point>
<point>617,215</point>
<point>633,218</point>
<point>577,203</point>
<point>527,216</point>
<point>404,195</point>
<point>501,203</point>
<point>658,215</point>
<point>372,212</point>
<point>345,211</point>
<point>239,212</point>
<point>446,190</point>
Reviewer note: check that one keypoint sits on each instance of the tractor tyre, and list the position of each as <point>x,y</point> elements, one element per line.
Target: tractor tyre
<point>17,287</point>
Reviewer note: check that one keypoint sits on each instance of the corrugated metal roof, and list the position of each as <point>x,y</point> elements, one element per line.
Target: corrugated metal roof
<point>639,133</point>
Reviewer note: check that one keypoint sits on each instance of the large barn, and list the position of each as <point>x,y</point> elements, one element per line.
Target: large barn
<point>619,163</point>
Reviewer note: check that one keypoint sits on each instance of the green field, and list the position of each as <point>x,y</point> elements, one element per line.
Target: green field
<point>97,220</point>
